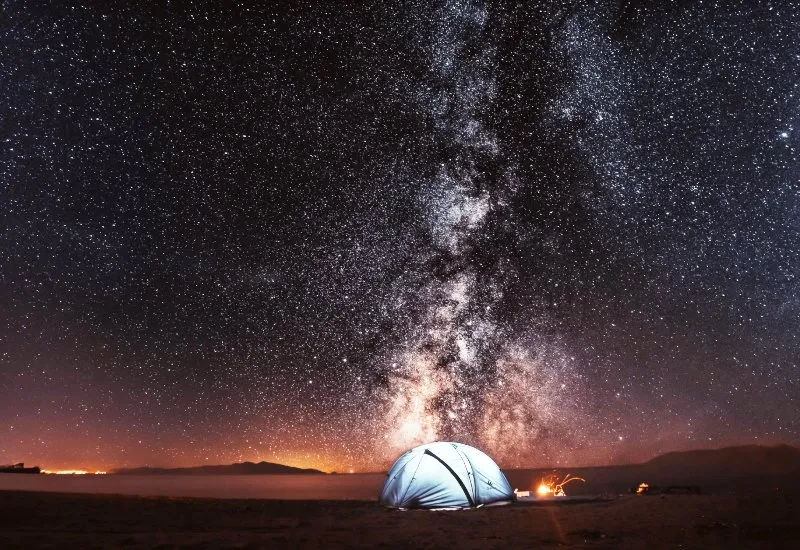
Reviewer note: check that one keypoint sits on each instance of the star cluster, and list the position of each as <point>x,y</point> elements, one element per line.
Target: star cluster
<point>565,232</point>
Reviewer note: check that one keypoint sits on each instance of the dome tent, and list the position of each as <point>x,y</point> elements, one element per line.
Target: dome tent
<point>444,475</point>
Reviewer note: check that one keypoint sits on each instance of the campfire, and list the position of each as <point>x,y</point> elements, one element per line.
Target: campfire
<point>550,486</point>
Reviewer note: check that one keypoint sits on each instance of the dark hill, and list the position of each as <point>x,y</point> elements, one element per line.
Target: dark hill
<point>729,469</point>
<point>242,468</point>
<point>738,461</point>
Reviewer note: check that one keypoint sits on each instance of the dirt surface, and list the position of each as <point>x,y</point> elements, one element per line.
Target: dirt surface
<point>57,520</point>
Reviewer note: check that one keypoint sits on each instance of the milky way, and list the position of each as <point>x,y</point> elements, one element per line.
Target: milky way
<point>563,232</point>
<point>461,375</point>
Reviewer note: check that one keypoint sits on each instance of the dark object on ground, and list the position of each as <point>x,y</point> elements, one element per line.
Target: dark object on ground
<point>563,501</point>
<point>19,468</point>
<point>682,490</point>
<point>668,490</point>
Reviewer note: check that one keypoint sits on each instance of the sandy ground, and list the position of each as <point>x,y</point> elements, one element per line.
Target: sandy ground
<point>58,520</point>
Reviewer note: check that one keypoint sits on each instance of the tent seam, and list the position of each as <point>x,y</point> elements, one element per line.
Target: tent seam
<point>470,471</point>
<point>413,477</point>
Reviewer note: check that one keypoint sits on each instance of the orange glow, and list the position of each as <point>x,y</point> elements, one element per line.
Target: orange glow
<point>642,489</point>
<point>550,486</point>
<point>71,472</point>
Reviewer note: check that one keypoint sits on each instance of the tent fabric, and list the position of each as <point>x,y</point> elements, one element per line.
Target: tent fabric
<point>444,475</point>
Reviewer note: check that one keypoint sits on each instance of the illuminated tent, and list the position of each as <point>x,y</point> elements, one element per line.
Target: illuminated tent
<point>444,475</point>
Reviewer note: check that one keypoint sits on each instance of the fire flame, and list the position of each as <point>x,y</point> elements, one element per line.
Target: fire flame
<point>550,486</point>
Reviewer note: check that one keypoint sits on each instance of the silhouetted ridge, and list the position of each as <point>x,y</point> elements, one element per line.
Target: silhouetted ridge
<point>732,461</point>
<point>241,468</point>
<point>741,468</point>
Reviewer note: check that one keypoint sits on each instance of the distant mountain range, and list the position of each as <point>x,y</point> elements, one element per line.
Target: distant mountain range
<point>750,463</point>
<point>241,468</point>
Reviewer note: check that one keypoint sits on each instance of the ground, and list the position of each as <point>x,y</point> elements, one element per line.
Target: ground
<point>56,520</point>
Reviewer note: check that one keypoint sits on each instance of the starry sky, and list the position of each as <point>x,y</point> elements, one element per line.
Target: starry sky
<point>565,232</point>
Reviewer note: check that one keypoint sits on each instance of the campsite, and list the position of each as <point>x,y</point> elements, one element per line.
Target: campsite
<point>749,499</point>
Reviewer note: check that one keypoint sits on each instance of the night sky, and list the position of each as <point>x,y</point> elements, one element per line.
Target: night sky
<point>563,232</point>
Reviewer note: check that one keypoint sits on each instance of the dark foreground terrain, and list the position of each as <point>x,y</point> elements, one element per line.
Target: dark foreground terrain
<point>37,520</point>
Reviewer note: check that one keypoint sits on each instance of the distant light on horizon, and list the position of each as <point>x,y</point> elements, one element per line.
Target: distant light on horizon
<point>73,472</point>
